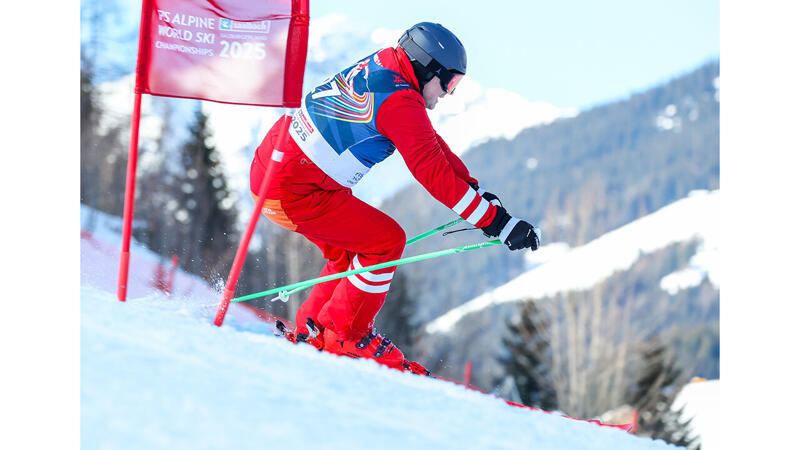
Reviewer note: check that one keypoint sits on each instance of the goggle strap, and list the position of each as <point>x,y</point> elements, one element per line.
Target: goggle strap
<point>413,50</point>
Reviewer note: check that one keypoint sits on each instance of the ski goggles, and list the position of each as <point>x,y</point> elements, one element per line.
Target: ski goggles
<point>449,80</point>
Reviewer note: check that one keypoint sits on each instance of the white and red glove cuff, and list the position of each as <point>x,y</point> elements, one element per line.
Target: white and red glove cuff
<point>507,229</point>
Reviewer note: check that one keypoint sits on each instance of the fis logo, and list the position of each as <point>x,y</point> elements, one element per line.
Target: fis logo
<point>261,26</point>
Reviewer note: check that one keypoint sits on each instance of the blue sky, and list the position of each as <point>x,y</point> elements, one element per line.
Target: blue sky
<point>568,53</point>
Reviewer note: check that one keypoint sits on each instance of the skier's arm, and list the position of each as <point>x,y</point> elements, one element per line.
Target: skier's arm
<point>403,120</point>
<point>463,172</point>
<point>455,162</point>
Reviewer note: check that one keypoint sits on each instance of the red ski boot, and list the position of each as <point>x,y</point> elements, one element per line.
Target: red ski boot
<point>372,346</point>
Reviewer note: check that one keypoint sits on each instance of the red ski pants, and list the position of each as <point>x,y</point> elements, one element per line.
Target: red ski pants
<point>350,233</point>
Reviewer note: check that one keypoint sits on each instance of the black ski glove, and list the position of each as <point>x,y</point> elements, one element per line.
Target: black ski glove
<point>513,232</point>
<point>491,198</point>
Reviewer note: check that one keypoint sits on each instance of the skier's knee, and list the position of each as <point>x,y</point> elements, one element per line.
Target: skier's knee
<point>397,239</point>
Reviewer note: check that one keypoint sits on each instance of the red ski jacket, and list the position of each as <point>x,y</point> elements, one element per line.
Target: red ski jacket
<point>402,119</point>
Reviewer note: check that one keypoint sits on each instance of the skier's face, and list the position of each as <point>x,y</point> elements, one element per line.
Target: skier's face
<point>432,92</point>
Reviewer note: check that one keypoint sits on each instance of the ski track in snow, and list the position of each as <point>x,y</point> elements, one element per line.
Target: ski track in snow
<point>156,373</point>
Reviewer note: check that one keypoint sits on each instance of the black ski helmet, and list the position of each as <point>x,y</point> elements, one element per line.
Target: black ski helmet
<point>434,50</point>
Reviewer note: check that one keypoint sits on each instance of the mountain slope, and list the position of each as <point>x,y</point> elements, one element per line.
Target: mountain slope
<point>576,178</point>
<point>581,268</point>
<point>663,269</point>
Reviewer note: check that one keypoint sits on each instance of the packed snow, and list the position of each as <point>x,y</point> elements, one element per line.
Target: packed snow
<point>99,269</point>
<point>156,373</point>
<point>693,217</point>
<point>703,264</point>
<point>700,401</point>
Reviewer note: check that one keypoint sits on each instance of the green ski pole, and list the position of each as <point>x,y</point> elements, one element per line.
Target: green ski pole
<point>284,291</point>
<point>434,231</point>
<point>284,295</point>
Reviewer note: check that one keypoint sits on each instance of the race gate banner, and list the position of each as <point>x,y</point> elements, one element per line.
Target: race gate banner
<point>230,51</point>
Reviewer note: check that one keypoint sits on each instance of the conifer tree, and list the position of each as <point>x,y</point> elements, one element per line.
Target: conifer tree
<point>89,119</point>
<point>653,393</point>
<point>103,159</point>
<point>528,358</point>
<point>206,210</point>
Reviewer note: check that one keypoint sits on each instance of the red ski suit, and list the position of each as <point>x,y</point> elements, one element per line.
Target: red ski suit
<point>351,233</point>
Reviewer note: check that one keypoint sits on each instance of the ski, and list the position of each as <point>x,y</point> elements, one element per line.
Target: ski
<point>282,330</point>
<point>415,368</point>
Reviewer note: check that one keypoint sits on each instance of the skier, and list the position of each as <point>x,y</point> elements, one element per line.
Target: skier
<point>346,125</point>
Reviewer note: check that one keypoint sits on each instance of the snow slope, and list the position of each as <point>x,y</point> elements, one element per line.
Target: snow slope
<point>696,216</point>
<point>100,264</point>
<point>156,373</point>
<point>700,401</point>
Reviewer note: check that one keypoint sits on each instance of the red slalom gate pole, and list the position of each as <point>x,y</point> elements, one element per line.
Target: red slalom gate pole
<point>467,373</point>
<point>172,273</point>
<point>130,189</point>
<point>241,252</point>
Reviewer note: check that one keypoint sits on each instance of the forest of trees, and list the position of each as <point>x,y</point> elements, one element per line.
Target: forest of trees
<point>183,203</point>
<point>588,380</point>
<point>586,353</point>
<point>595,172</point>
